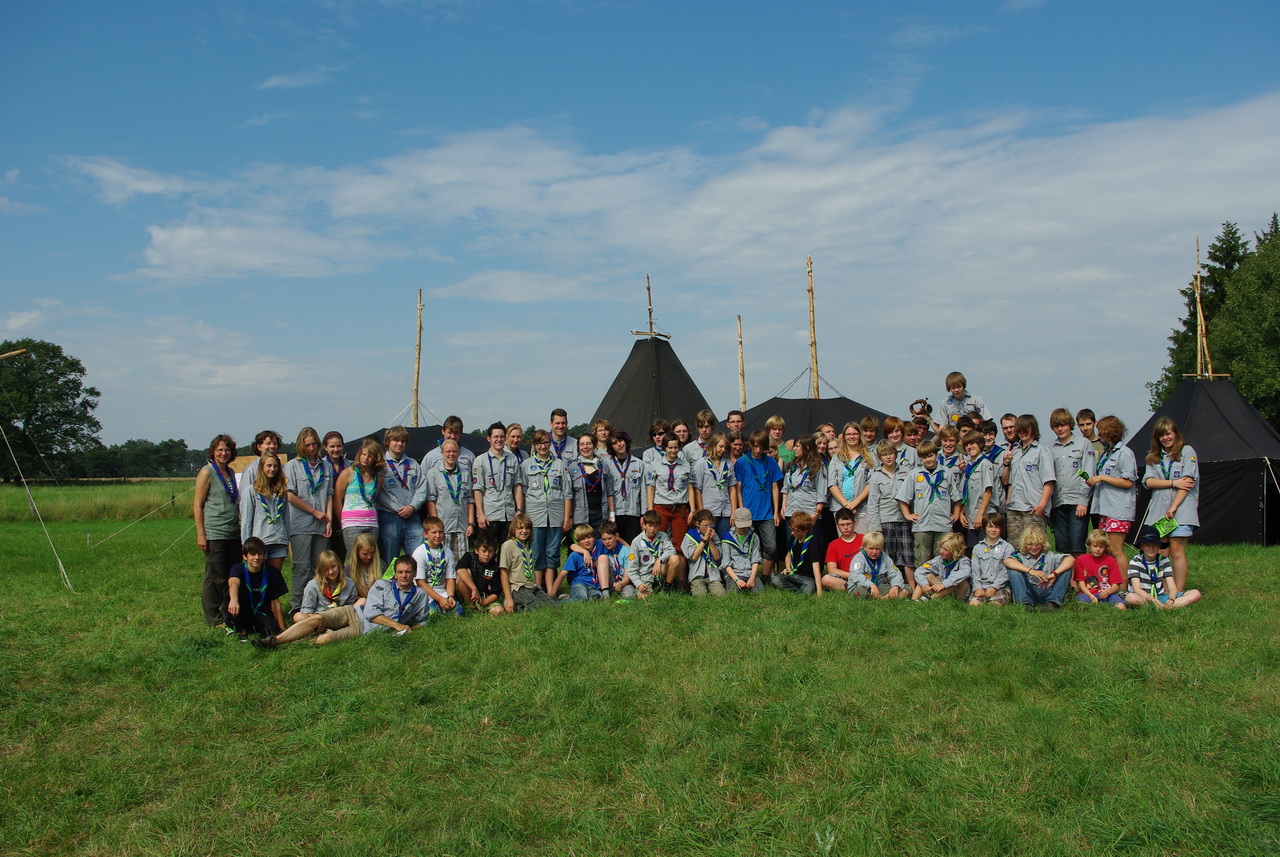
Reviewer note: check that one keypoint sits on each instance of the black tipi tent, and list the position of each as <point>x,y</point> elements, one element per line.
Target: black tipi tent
<point>653,384</point>
<point>422,439</point>
<point>805,415</point>
<point>1239,454</point>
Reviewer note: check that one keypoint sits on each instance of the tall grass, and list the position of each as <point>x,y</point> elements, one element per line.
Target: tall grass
<point>99,501</point>
<point>770,725</point>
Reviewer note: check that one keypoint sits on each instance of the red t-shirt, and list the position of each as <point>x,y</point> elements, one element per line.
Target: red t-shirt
<point>1098,574</point>
<point>842,553</point>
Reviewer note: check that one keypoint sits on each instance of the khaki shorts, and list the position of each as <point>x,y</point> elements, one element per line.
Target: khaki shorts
<point>342,623</point>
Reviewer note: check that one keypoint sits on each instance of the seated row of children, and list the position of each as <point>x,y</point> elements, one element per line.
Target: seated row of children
<point>505,581</point>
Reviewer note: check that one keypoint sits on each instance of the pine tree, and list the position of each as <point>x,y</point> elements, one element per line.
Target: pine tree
<point>1227,252</point>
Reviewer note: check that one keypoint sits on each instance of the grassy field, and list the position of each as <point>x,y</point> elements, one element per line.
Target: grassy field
<point>770,725</point>
<point>99,501</point>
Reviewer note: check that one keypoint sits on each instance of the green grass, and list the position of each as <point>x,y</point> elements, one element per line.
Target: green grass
<point>99,501</point>
<point>770,725</point>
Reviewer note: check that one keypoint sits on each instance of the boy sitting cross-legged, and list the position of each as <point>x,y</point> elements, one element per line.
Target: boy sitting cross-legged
<point>872,573</point>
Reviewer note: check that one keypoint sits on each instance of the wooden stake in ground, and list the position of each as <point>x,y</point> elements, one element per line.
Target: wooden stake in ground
<point>742,371</point>
<point>813,334</point>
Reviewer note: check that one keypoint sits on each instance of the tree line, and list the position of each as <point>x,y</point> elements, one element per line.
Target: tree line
<point>1240,298</point>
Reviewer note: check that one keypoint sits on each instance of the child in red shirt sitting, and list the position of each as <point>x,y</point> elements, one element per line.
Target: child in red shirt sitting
<point>1097,577</point>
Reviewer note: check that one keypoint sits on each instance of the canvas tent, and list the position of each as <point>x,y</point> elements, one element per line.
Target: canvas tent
<point>652,384</point>
<point>803,415</point>
<point>422,439</point>
<point>1239,456</point>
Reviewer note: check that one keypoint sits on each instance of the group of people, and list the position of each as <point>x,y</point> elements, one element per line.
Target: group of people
<point>876,509</point>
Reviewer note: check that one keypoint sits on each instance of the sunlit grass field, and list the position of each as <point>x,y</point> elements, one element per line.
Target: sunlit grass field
<point>770,725</point>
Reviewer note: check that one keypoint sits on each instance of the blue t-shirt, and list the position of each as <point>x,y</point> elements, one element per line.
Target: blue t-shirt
<point>617,556</point>
<point>580,571</point>
<point>757,476</point>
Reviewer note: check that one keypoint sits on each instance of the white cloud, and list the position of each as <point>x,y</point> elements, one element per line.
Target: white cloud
<point>12,206</point>
<point>518,287</point>
<point>310,77</point>
<point>11,175</point>
<point>15,321</point>
<point>265,118</point>
<point>119,182</point>
<point>920,34</point>
<point>1013,216</point>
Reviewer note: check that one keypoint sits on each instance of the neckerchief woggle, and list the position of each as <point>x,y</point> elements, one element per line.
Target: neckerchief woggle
<point>541,468</point>
<point>720,478</point>
<point>874,565</point>
<point>622,472</point>
<point>935,485</point>
<point>454,494</point>
<point>331,595</point>
<point>274,509</point>
<point>408,598</point>
<point>403,480</point>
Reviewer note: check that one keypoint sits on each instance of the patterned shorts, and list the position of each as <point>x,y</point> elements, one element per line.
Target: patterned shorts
<point>1113,525</point>
<point>899,543</point>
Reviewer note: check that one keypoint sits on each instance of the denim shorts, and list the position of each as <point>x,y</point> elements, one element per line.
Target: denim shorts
<point>1182,531</point>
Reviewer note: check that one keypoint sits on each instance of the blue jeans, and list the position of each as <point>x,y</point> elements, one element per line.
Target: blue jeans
<point>546,547</point>
<point>1027,592</point>
<point>397,535</point>
<point>582,592</point>
<point>1068,530</point>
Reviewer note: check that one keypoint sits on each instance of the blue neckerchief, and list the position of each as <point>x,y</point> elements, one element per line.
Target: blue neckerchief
<point>228,482</point>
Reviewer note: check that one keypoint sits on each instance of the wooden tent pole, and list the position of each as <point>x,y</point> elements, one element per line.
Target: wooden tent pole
<point>813,334</point>
<point>417,362</point>
<point>742,371</point>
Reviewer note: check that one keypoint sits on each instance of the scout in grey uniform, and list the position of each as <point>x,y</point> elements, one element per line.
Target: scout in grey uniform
<point>989,576</point>
<point>328,588</point>
<point>651,555</point>
<point>395,604</point>
<point>715,482</point>
<point>1110,500</point>
<point>977,486</point>
<point>404,491</point>
<point>875,576</point>
<point>803,491</point>
<point>1028,472</point>
<point>950,569</point>
<point>1072,456</point>
<point>449,496</point>
<point>959,402</point>
<point>704,553</point>
<point>847,479</point>
<point>310,479</point>
<point>626,484</point>
<point>262,510</point>
<point>493,482</point>
<point>741,561</point>
<point>928,500</point>
<point>451,430</point>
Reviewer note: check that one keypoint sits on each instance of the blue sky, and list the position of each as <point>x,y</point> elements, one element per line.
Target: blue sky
<point>226,209</point>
